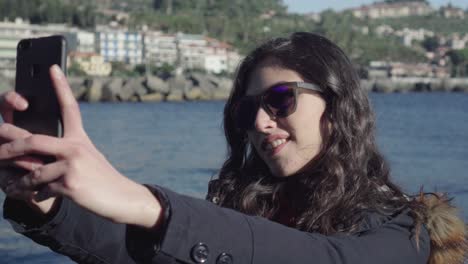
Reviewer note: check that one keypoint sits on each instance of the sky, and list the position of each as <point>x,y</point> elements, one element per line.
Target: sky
<point>305,6</point>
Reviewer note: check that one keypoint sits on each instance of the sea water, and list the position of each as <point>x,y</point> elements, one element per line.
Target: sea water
<point>181,146</point>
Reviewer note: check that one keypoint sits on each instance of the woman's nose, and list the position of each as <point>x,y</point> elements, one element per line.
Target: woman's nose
<point>263,121</point>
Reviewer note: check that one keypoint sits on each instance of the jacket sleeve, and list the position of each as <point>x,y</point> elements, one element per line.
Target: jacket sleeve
<point>198,231</point>
<point>72,231</point>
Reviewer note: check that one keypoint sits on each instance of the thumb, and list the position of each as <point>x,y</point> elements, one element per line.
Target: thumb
<point>71,116</point>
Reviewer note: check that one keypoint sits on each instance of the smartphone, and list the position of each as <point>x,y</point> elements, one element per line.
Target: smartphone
<point>34,58</point>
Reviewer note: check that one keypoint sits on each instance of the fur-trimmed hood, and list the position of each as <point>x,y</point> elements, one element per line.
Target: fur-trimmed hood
<point>447,230</point>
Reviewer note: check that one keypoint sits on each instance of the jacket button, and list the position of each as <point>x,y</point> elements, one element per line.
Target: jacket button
<point>200,253</point>
<point>224,258</point>
<point>215,199</point>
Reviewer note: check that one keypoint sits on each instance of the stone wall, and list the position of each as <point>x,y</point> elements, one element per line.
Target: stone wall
<point>151,89</point>
<point>401,85</point>
<point>208,87</point>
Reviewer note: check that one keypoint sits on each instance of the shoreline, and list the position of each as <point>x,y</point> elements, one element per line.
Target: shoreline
<point>205,87</point>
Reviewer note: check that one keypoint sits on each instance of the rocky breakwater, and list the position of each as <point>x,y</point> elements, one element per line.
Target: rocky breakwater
<point>410,84</point>
<point>197,86</point>
<point>189,87</point>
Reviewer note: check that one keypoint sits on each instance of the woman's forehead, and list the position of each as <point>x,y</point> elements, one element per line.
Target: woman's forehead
<point>265,75</point>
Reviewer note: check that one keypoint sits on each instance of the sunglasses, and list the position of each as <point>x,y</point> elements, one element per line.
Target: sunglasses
<point>280,100</point>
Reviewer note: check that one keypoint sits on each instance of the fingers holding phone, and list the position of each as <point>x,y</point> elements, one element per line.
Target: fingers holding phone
<point>9,102</point>
<point>32,108</point>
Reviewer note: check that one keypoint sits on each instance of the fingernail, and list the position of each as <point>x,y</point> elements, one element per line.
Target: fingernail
<point>20,102</point>
<point>23,104</point>
<point>57,70</point>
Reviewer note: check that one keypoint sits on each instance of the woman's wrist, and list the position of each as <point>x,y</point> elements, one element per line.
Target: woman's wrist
<point>46,207</point>
<point>149,212</point>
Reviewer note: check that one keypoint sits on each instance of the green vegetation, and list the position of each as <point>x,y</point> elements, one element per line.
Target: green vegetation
<point>120,69</point>
<point>459,60</point>
<point>123,70</point>
<point>164,71</point>
<point>346,31</point>
<point>433,22</point>
<point>75,70</point>
<point>430,43</point>
<point>243,23</point>
<point>50,11</point>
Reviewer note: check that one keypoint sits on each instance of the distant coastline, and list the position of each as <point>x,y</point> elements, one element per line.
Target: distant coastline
<point>198,86</point>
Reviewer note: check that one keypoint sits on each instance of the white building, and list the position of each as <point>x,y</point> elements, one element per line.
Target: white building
<point>86,41</point>
<point>450,11</point>
<point>458,42</point>
<point>381,10</point>
<point>160,48</point>
<point>193,49</point>
<point>12,32</point>
<point>190,52</point>
<point>117,45</point>
<point>220,57</point>
<point>409,35</point>
<point>92,64</point>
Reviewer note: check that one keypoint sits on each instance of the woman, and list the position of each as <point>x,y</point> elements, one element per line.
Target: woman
<point>303,175</point>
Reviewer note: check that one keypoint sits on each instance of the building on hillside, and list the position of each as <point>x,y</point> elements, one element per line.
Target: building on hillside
<point>316,17</point>
<point>458,42</point>
<point>86,41</point>
<point>119,45</point>
<point>192,50</point>
<point>441,72</point>
<point>450,11</point>
<point>378,70</point>
<point>10,35</point>
<point>211,55</point>
<point>384,30</point>
<point>91,63</point>
<point>267,15</point>
<point>387,69</point>
<point>424,70</point>
<point>382,10</point>
<point>160,48</point>
<point>188,51</point>
<point>11,32</point>
<point>220,57</point>
<point>409,35</point>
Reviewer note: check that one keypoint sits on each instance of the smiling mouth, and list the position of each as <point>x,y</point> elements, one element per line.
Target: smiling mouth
<point>275,144</point>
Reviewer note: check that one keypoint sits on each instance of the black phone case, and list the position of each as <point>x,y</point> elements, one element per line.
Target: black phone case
<point>34,59</point>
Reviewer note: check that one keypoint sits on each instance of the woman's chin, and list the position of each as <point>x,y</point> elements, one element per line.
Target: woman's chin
<point>282,172</point>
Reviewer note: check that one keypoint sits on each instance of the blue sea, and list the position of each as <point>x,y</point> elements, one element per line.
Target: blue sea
<point>181,146</point>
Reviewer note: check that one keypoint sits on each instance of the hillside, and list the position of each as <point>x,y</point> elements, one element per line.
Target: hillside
<point>243,23</point>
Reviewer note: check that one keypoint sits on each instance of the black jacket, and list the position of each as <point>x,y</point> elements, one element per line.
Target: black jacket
<point>198,231</point>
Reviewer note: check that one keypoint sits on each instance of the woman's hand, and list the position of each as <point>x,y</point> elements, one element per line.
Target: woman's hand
<point>80,171</point>
<point>14,168</point>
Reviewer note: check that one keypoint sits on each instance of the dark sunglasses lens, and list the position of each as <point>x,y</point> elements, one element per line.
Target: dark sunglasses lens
<point>280,100</point>
<point>244,113</point>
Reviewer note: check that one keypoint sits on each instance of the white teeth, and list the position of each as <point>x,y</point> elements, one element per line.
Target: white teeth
<point>276,143</point>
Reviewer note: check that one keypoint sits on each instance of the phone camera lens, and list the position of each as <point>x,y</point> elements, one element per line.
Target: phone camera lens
<point>24,44</point>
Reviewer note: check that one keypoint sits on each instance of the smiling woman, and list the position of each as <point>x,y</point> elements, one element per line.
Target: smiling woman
<point>287,142</point>
<point>303,180</point>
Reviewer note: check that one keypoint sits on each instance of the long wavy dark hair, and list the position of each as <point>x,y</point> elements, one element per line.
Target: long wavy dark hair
<point>347,177</point>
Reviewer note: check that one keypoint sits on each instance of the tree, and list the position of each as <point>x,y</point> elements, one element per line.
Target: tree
<point>430,43</point>
<point>459,60</point>
<point>76,70</point>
